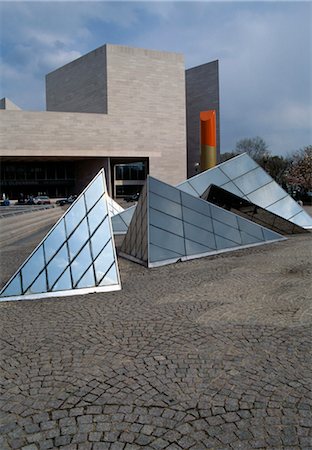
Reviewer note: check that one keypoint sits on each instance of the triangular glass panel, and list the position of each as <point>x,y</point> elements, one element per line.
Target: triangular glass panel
<point>97,241</point>
<point>14,287</point>
<point>121,221</point>
<point>242,176</point>
<point>111,277</point>
<point>78,239</point>
<point>113,207</point>
<point>75,215</point>
<point>88,279</point>
<point>32,267</point>
<point>39,285</point>
<point>248,210</point>
<point>81,263</point>
<point>64,282</point>
<point>248,239</point>
<point>80,245</point>
<point>97,214</point>
<point>169,225</point>
<point>57,265</point>
<point>103,262</point>
<point>193,248</point>
<point>54,240</point>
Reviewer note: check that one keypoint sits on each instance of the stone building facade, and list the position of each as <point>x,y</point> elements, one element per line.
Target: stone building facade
<point>117,107</point>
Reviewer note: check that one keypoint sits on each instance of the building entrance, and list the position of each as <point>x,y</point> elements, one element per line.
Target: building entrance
<point>128,176</point>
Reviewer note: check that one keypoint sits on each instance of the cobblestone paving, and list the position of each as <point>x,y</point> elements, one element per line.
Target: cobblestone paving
<point>212,353</point>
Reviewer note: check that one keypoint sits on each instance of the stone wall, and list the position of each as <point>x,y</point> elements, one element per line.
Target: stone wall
<point>79,86</point>
<point>145,112</point>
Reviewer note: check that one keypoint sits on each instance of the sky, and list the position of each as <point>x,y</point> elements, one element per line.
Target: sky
<point>264,51</point>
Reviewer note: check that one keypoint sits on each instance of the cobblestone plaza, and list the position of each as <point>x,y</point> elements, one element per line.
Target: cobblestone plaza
<point>210,353</point>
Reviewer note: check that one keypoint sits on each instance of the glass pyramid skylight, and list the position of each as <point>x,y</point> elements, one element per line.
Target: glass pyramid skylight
<point>169,225</point>
<point>76,257</point>
<point>242,176</point>
<point>113,207</point>
<point>238,205</point>
<point>121,220</point>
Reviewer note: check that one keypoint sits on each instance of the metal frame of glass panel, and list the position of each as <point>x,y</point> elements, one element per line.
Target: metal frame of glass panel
<point>76,257</point>
<point>178,224</point>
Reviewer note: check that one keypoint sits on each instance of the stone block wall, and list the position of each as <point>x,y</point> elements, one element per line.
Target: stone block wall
<point>79,86</point>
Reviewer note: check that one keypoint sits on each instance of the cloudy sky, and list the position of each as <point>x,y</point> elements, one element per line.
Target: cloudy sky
<point>264,51</point>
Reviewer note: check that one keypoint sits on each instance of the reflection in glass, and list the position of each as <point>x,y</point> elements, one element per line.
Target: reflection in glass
<point>187,187</point>
<point>78,239</point>
<point>39,286</point>
<point>81,263</point>
<point>94,192</point>
<point>87,280</point>
<point>199,206</point>
<point>212,176</point>
<point>164,205</point>
<point>223,243</point>
<point>198,219</point>
<point>286,207</point>
<point>32,267</point>
<point>100,238</point>
<point>270,235</point>
<point>237,166</point>
<point>119,225</point>
<point>74,215</point>
<point>111,277</point>
<point>232,234</point>
<point>164,190</point>
<point>54,240</point>
<point>160,254</point>
<point>166,240</point>
<point>199,235</point>
<point>57,265</point>
<point>194,248</point>
<point>165,222</point>
<point>248,239</point>
<point>97,214</point>
<point>232,188</point>
<point>252,180</point>
<point>14,288</point>
<point>64,282</point>
<point>250,228</point>
<point>266,195</point>
<point>127,214</point>
<point>103,262</point>
<point>224,216</point>
<point>303,219</point>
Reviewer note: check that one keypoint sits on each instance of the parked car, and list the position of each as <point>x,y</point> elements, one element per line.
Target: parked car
<point>41,200</point>
<point>66,201</point>
<point>133,197</point>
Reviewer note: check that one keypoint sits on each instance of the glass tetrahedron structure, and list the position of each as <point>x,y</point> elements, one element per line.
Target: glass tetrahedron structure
<point>121,220</point>
<point>113,207</point>
<point>243,177</point>
<point>76,257</point>
<point>242,207</point>
<point>169,225</point>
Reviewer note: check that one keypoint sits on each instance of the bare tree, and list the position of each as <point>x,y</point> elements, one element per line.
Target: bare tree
<point>255,147</point>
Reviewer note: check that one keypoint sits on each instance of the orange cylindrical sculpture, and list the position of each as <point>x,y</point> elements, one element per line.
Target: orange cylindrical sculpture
<point>208,139</point>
